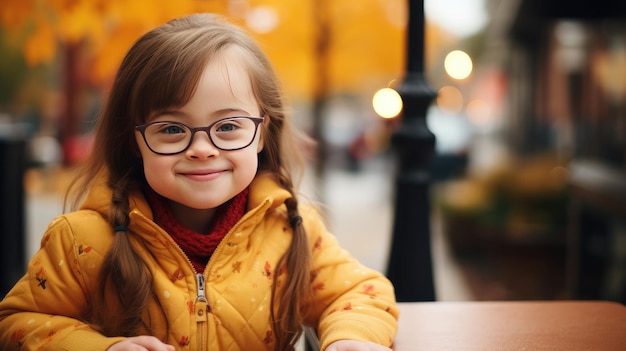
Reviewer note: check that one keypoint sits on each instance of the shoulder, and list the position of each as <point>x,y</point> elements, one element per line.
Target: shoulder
<point>81,229</point>
<point>79,222</point>
<point>78,219</point>
<point>312,217</point>
<point>315,224</point>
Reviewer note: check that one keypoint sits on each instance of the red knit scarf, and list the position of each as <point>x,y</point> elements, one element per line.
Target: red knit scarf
<point>198,246</point>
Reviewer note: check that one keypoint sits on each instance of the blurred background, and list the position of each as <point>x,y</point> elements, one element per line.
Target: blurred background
<point>528,175</point>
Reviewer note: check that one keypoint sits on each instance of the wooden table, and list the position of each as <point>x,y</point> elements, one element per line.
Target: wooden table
<point>532,325</point>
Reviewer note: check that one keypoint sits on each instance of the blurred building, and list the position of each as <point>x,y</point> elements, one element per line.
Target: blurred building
<point>566,65</point>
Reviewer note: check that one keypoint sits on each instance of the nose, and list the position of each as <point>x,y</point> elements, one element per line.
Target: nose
<point>201,147</point>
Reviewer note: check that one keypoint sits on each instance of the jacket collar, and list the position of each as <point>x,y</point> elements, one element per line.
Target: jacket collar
<point>265,187</point>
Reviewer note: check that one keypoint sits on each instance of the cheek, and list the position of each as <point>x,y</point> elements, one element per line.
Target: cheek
<point>154,166</point>
<point>157,171</point>
<point>246,165</point>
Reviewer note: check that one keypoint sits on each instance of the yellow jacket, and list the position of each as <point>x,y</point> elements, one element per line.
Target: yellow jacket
<point>44,311</point>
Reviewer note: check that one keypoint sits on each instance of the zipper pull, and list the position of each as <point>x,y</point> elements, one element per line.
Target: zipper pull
<point>201,289</point>
<point>201,305</point>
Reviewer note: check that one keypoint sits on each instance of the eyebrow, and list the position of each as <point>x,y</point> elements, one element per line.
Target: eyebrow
<point>221,113</point>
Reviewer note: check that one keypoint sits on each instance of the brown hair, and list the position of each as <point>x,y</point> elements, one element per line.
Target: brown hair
<point>162,70</point>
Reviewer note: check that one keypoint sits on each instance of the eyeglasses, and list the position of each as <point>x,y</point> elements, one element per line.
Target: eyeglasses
<point>169,138</point>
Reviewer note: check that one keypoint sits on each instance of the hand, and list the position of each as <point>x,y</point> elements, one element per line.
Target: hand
<point>354,345</point>
<point>141,343</point>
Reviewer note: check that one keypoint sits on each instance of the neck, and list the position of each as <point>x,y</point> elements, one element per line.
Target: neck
<point>198,220</point>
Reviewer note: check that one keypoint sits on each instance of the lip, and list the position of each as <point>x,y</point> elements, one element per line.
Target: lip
<point>202,175</point>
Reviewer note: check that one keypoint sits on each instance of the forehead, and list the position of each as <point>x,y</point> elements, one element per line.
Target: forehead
<point>226,80</point>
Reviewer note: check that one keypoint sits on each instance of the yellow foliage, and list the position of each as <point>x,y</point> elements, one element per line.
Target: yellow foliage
<point>108,54</point>
<point>290,46</point>
<point>41,46</point>
<point>79,22</point>
<point>14,13</point>
<point>365,44</point>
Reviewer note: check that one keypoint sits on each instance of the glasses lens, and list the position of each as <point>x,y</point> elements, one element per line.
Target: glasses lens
<point>233,133</point>
<point>167,137</point>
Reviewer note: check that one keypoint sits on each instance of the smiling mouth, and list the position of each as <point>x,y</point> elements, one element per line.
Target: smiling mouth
<point>203,176</point>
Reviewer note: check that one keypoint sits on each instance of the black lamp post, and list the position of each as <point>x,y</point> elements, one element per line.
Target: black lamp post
<point>410,261</point>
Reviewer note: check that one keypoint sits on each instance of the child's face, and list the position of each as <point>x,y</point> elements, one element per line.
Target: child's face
<point>203,176</point>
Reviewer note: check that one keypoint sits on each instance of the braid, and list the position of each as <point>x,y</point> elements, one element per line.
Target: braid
<point>118,214</point>
<point>124,277</point>
<point>296,260</point>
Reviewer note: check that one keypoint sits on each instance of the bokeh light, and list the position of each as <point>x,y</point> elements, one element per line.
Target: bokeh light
<point>262,19</point>
<point>450,99</point>
<point>387,103</point>
<point>458,64</point>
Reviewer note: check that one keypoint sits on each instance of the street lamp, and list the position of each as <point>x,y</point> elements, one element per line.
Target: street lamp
<point>410,260</point>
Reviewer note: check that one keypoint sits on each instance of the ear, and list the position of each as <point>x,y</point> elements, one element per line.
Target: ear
<point>261,132</point>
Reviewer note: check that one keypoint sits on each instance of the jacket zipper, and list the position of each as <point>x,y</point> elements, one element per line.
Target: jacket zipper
<point>201,312</point>
<point>201,302</point>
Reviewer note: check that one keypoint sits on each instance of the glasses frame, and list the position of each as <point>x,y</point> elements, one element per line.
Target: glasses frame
<point>142,129</point>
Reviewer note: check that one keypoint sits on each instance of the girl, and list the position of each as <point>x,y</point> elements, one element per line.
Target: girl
<point>191,235</point>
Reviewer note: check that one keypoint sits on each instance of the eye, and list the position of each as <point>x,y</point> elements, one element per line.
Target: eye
<point>226,126</point>
<point>171,129</point>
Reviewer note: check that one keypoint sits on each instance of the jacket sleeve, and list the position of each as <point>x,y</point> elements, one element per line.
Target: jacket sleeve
<point>349,301</point>
<point>43,311</point>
